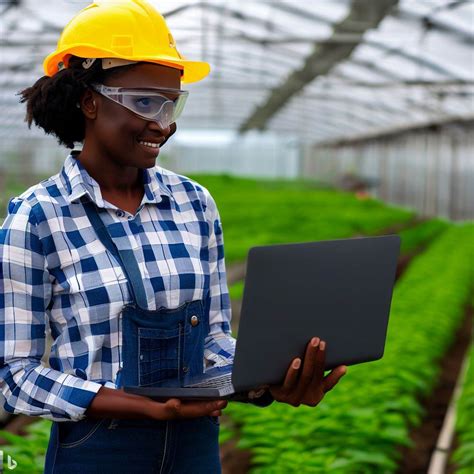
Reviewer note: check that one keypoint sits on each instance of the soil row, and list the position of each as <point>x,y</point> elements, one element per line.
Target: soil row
<point>417,459</point>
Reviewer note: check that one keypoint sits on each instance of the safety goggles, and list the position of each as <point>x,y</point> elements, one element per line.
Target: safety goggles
<point>160,105</point>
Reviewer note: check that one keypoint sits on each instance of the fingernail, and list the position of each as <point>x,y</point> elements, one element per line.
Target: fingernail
<point>297,364</point>
<point>315,341</point>
<point>322,345</point>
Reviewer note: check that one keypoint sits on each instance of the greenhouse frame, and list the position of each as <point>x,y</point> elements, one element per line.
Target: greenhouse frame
<point>320,120</point>
<point>381,89</point>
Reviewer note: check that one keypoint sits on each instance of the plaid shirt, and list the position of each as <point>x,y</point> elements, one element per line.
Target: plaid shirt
<point>54,271</point>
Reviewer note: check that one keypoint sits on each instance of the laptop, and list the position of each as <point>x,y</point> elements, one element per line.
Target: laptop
<point>338,290</point>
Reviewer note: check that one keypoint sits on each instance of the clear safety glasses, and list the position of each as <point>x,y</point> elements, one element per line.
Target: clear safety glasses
<point>161,105</point>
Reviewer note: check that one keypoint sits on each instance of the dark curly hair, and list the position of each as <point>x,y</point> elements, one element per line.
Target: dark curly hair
<point>51,101</point>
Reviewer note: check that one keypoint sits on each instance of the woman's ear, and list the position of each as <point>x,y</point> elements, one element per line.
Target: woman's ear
<point>88,104</point>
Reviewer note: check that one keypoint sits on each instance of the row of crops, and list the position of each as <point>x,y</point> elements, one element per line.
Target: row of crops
<point>413,240</point>
<point>270,212</point>
<point>463,456</point>
<point>360,426</point>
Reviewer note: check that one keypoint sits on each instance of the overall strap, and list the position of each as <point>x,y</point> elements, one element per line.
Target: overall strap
<point>126,258</point>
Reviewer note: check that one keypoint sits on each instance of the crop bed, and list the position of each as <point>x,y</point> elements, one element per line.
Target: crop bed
<point>271,212</point>
<point>463,457</point>
<point>426,435</point>
<point>360,426</point>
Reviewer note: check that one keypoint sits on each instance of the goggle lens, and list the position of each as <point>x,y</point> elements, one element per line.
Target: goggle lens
<point>149,104</point>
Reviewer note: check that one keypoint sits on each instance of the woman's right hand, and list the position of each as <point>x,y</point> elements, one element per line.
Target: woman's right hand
<point>174,409</point>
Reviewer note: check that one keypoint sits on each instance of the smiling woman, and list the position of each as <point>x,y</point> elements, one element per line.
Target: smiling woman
<point>112,252</point>
<point>123,260</point>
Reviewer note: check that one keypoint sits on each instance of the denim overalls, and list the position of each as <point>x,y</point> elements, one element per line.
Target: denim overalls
<point>162,347</point>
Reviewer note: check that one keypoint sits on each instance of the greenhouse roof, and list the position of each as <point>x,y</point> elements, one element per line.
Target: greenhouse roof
<point>320,70</point>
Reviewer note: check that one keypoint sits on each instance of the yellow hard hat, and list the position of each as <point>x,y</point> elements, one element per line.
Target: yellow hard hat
<point>132,30</point>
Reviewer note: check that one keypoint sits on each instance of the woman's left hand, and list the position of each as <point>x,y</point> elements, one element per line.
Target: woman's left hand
<point>305,384</point>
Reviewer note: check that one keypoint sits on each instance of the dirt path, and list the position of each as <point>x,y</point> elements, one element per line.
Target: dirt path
<point>416,460</point>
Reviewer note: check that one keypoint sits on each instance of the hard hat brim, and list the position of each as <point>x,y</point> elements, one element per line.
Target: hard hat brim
<point>193,71</point>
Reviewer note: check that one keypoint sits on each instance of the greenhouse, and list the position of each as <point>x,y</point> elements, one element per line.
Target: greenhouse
<point>320,122</point>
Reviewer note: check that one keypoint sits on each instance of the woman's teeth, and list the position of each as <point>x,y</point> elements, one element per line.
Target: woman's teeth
<point>151,145</point>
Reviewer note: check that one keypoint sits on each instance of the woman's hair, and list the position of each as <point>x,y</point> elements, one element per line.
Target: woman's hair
<point>51,103</point>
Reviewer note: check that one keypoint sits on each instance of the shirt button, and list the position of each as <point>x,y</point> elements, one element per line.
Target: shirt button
<point>194,320</point>
<point>120,213</point>
<point>185,369</point>
<point>141,356</point>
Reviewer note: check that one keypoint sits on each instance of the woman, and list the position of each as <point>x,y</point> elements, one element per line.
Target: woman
<point>115,252</point>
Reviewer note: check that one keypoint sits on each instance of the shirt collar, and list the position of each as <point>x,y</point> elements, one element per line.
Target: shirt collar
<point>78,183</point>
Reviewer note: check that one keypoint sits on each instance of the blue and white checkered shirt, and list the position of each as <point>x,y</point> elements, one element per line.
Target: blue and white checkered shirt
<point>54,271</point>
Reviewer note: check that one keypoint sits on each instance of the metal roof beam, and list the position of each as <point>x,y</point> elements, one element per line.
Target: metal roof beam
<point>376,68</point>
<point>377,105</point>
<point>238,15</point>
<point>417,105</point>
<point>467,121</point>
<point>430,23</point>
<point>301,13</point>
<point>363,15</point>
<point>415,58</point>
<point>354,113</point>
<point>10,4</point>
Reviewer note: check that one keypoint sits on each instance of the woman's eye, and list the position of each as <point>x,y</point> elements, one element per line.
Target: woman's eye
<point>143,102</point>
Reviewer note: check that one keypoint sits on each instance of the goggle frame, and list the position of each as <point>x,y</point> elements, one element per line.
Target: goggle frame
<point>116,94</point>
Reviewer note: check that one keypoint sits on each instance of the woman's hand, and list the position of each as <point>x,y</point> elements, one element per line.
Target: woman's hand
<point>307,385</point>
<point>113,403</point>
<point>175,409</point>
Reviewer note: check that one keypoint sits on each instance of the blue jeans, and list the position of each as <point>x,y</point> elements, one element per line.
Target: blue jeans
<point>134,446</point>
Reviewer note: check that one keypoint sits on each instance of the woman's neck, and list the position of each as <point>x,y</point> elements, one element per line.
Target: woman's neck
<point>111,176</point>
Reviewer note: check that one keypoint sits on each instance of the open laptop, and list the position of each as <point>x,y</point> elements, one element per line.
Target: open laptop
<point>338,290</point>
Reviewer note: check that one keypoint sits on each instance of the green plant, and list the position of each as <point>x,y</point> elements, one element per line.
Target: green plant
<point>463,457</point>
<point>28,451</point>
<point>236,291</point>
<point>415,237</point>
<point>257,212</point>
<point>13,187</point>
<point>412,239</point>
<point>361,424</point>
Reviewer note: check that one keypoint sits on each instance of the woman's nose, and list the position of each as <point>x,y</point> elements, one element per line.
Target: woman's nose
<point>158,126</point>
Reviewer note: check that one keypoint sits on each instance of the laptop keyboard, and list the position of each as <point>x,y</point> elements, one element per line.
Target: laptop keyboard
<point>222,381</point>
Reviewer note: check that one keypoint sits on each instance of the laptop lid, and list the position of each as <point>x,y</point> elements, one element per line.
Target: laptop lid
<point>338,290</point>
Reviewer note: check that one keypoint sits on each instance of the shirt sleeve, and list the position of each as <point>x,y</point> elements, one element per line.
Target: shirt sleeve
<point>219,347</point>
<point>28,386</point>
